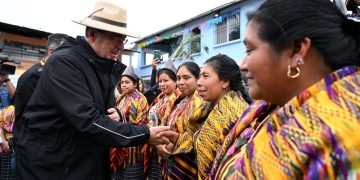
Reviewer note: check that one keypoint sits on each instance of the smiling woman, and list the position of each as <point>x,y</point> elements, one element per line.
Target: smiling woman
<point>187,115</point>
<point>133,107</point>
<point>160,109</point>
<point>220,83</point>
<point>303,69</point>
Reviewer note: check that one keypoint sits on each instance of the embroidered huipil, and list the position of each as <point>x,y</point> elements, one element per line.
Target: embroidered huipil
<point>212,133</point>
<point>186,117</point>
<point>314,136</point>
<point>133,110</point>
<point>161,108</point>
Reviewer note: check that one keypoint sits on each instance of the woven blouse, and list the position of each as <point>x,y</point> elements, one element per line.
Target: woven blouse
<point>314,136</point>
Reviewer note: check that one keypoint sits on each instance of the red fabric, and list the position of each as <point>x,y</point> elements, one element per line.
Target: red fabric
<point>117,158</point>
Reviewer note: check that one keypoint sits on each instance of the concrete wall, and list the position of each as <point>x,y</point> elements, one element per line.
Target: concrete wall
<point>234,49</point>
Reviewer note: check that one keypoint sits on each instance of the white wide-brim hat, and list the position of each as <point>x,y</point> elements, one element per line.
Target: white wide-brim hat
<point>108,17</point>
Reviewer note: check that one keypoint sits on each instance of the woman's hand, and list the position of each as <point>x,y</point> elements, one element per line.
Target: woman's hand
<point>155,62</point>
<point>5,146</point>
<point>113,114</point>
<point>169,147</point>
<point>162,151</point>
<point>171,135</point>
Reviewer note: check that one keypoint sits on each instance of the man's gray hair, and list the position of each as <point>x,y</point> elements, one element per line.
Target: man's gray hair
<point>55,40</point>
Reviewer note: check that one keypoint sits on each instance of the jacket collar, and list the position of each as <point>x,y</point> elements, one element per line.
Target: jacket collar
<point>102,64</point>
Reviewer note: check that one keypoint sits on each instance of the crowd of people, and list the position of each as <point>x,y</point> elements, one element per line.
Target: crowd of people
<point>298,118</point>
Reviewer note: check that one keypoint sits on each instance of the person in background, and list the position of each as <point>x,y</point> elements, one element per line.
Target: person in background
<point>220,83</point>
<point>154,89</point>
<point>188,113</point>
<point>118,90</point>
<point>7,116</point>
<point>303,68</point>
<point>28,80</point>
<point>7,91</point>
<point>132,162</point>
<point>160,108</point>
<point>154,79</point>
<point>118,70</point>
<point>353,6</point>
<point>141,86</point>
<point>71,121</point>
<point>7,88</point>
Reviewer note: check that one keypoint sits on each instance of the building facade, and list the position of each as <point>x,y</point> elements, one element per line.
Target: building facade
<point>23,44</point>
<point>219,30</point>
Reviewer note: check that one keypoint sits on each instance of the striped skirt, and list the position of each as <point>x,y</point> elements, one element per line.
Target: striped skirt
<point>182,166</point>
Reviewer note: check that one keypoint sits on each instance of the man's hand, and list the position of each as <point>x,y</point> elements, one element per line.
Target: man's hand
<point>155,138</point>
<point>113,114</point>
<point>171,135</point>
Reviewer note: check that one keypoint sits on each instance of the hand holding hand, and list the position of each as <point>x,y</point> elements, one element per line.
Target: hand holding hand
<point>171,135</point>
<point>113,114</point>
<point>163,152</point>
<point>155,138</point>
<point>169,147</point>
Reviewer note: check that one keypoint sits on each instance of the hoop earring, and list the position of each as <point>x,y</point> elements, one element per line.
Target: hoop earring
<point>295,75</point>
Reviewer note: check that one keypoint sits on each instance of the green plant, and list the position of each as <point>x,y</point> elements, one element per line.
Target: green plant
<point>189,45</point>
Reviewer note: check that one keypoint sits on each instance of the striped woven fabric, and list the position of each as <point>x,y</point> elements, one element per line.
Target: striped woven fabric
<point>158,109</point>
<point>212,133</point>
<point>163,108</point>
<point>314,136</point>
<point>133,110</point>
<point>185,118</point>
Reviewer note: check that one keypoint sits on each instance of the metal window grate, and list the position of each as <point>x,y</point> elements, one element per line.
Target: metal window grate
<point>228,30</point>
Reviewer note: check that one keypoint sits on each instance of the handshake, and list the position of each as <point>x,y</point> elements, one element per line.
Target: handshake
<point>162,135</point>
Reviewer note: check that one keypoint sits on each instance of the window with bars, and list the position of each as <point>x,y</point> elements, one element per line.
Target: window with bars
<point>228,30</point>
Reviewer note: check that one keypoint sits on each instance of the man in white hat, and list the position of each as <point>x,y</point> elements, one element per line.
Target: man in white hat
<point>69,123</point>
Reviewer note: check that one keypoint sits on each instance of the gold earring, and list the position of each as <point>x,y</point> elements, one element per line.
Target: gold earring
<point>300,62</point>
<point>295,75</point>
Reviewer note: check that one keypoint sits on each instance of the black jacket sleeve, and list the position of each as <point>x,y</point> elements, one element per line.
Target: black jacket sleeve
<point>25,87</point>
<point>69,91</point>
<point>153,77</point>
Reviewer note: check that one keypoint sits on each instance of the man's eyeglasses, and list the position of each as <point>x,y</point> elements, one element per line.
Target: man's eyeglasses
<point>116,38</point>
<point>119,39</point>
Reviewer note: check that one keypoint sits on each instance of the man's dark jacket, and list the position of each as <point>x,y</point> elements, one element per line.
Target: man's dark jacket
<point>66,132</point>
<point>25,88</point>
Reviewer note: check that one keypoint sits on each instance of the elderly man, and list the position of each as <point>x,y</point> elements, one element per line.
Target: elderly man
<point>70,121</point>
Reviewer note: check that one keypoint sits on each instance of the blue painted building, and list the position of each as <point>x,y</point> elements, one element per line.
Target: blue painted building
<point>220,30</point>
